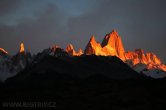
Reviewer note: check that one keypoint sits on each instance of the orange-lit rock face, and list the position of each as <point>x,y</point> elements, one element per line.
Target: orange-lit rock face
<point>154,66</point>
<point>3,51</point>
<point>22,49</point>
<point>70,50</point>
<point>132,56</point>
<point>80,52</point>
<point>137,56</point>
<point>162,67</point>
<point>152,58</point>
<point>149,59</point>
<point>111,46</point>
<point>94,48</point>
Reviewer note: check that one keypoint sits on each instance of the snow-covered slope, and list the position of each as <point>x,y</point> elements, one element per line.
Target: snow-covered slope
<point>7,68</point>
<point>11,65</point>
<point>141,61</point>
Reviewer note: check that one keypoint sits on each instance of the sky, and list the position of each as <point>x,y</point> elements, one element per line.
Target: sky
<point>40,24</point>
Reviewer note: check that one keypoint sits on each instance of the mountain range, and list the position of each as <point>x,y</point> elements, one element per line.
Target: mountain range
<point>144,63</point>
<point>86,82</point>
<point>102,77</point>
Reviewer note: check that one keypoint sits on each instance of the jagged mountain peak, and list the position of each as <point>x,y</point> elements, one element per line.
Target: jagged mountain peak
<point>139,51</point>
<point>55,48</point>
<point>114,31</point>
<point>92,39</point>
<point>151,57</point>
<point>22,48</point>
<point>93,47</point>
<point>80,51</point>
<point>70,46</point>
<point>111,39</point>
<point>70,50</point>
<point>111,46</point>
<point>3,51</point>
<point>112,42</point>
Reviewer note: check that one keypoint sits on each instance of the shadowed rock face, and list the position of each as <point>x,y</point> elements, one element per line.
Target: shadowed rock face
<point>85,83</point>
<point>82,67</point>
<point>11,65</point>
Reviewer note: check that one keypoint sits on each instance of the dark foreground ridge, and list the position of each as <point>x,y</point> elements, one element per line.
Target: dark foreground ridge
<point>85,83</point>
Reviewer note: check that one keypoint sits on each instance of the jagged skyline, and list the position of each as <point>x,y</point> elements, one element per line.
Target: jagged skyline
<point>111,45</point>
<point>43,23</point>
<point>143,62</point>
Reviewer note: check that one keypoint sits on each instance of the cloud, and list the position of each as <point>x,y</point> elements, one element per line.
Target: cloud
<point>140,24</point>
<point>37,34</point>
<point>44,23</point>
<point>7,6</point>
<point>9,38</point>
